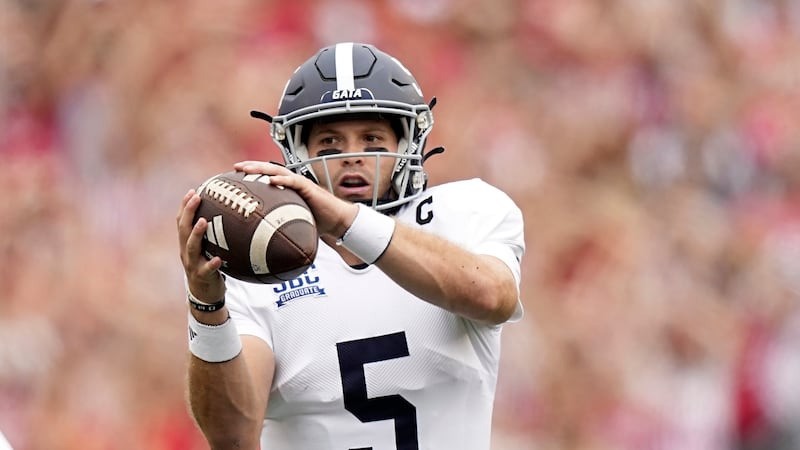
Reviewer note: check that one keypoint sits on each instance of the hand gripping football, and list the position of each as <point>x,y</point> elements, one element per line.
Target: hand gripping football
<point>263,233</point>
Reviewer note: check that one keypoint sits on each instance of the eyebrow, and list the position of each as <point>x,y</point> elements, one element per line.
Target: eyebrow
<point>325,128</point>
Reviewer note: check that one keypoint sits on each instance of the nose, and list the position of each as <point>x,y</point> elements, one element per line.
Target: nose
<point>353,148</point>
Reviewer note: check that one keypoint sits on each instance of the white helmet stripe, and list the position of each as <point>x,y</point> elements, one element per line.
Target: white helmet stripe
<point>344,67</point>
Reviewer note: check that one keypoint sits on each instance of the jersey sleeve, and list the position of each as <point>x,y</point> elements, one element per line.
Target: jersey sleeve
<point>248,320</point>
<point>484,220</point>
<point>505,241</point>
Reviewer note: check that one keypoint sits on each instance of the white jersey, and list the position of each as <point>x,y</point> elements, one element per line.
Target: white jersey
<point>4,445</point>
<point>360,363</point>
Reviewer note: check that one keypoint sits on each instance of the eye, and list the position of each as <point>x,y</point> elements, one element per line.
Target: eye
<point>328,140</point>
<point>373,138</point>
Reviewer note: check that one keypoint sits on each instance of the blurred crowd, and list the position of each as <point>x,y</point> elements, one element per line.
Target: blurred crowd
<point>652,145</point>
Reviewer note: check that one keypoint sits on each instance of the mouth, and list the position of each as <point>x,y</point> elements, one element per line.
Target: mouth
<point>354,186</point>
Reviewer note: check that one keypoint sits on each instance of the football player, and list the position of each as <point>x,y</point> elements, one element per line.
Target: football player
<point>391,339</point>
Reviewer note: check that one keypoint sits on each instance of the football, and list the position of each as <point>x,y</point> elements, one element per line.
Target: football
<point>263,233</point>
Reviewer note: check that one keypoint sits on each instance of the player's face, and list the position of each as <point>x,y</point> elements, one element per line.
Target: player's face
<point>353,178</point>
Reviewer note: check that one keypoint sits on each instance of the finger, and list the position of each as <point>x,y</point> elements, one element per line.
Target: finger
<point>184,201</point>
<point>288,181</point>
<point>208,270</point>
<point>239,164</point>
<point>194,242</point>
<point>186,219</point>
<point>266,168</point>
<point>189,209</point>
<point>250,166</point>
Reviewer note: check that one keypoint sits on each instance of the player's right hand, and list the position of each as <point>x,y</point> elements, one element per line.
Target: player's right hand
<point>202,275</point>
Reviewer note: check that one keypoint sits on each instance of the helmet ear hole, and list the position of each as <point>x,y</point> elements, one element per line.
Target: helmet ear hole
<point>402,147</point>
<point>302,154</point>
<point>399,175</point>
<point>298,151</point>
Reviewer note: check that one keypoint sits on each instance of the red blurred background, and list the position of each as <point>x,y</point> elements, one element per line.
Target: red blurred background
<point>652,146</point>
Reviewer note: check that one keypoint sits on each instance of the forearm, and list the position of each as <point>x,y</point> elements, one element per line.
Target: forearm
<point>475,286</point>
<point>226,398</point>
<point>223,402</point>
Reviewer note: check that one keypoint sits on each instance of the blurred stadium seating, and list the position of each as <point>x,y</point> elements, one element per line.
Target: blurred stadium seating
<point>653,147</point>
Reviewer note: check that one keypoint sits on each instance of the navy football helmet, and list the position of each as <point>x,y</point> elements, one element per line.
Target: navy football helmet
<point>353,78</point>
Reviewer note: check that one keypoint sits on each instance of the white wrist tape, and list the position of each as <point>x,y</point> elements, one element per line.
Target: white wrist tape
<point>214,343</point>
<point>369,235</point>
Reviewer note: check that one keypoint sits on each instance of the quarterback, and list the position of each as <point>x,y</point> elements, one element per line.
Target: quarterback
<point>391,339</point>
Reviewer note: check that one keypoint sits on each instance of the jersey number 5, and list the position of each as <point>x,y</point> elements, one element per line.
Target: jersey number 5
<point>352,357</point>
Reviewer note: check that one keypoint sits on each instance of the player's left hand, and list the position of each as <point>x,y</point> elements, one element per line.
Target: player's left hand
<point>332,214</point>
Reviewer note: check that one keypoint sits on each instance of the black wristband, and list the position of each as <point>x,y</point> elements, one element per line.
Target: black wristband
<point>202,306</point>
